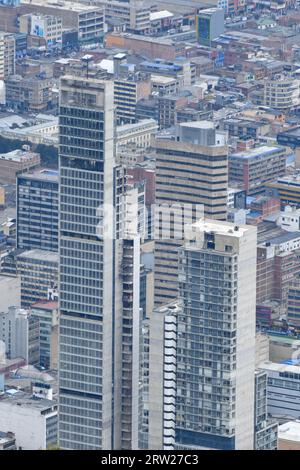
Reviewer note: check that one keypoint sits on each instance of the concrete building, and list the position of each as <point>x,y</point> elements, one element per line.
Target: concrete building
<point>20,333</point>
<point>209,25</point>
<point>283,389</point>
<point>88,20</point>
<point>86,309</point>
<point>9,55</point>
<point>127,92</point>
<point>252,169</point>
<point>191,175</point>
<point>37,210</point>
<point>139,133</point>
<point>289,219</point>
<point>293,302</point>
<point>25,94</point>
<point>16,162</point>
<point>286,188</point>
<point>266,431</point>
<point>277,265</point>
<point>47,27</point>
<point>33,421</point>
<point>219,262</point>
<point>38,270</point>
<point>10,292</point>
<point>282,92</point>
<point>47,315</point>
<point>202,348</point>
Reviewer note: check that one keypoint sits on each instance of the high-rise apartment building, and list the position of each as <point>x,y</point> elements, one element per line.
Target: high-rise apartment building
<point>199,386</point>
<point>215,359</point>
<point>191,178</point>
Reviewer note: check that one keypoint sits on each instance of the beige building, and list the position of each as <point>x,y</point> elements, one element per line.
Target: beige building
<point>282,93</point>
<point>191,180</point>
<point>87,19</point>
<point>127,92</point>
<point>137,133</point>
<point>16,162</point>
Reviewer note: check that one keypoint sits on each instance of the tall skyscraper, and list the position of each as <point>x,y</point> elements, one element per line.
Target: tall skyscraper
<point>201,381</point>
<point>191,179</point>
<point>101,221</point>
<point>87,268</point>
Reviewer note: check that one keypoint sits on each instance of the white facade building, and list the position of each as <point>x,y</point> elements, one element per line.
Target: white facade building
<point>33,421</point>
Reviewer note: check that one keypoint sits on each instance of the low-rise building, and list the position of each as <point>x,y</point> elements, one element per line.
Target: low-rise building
<point>253,168</point>
<point>16,162</point>
<point>33,420</point>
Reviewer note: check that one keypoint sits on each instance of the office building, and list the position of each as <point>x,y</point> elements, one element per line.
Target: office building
<point>37,210</point>
<point>88,293</point>
<point>283,389</point>
<point>33,421</point>
<point>20,333</point>
<point>286,188</point>
<point>209,25</point>
<point>191,175</point>
<point>47,315</point>
<point>9,55</point>
<point>88,20</point>
<point>266,431</point>
<point>127,92</point>
<point>47,27</point>
<point>253,168</point>
<point>138,133</point>
<point>38,270</point>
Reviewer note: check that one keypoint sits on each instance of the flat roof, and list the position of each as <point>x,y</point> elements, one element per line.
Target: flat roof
<point>21,399</point>
<point>222,228</point>
<point>289,431</point>
<point>274,366</point>
<point>256,152</point>
<point>41,175</point>
<point>37,254</point>
<point>160,15</point>
<point>18,155</point>
<point>198,124</point>
<point>295,131</point>
<point>61,5</point>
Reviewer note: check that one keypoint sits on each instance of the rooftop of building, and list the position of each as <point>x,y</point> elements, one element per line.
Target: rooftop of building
<point>274,366</point>
<point>289,431</point>
<point>256,152</point>
<point>222,228</point>
<point>160,15</point>
<point>277,238</point>
<point>39,255</point>
<point>61,5</point>
<point>45,305</point>
<point>45,174</point>
<point>198,124</point>
<point>15,397</point>
<point>18,156</point>
<point>294,132</point>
